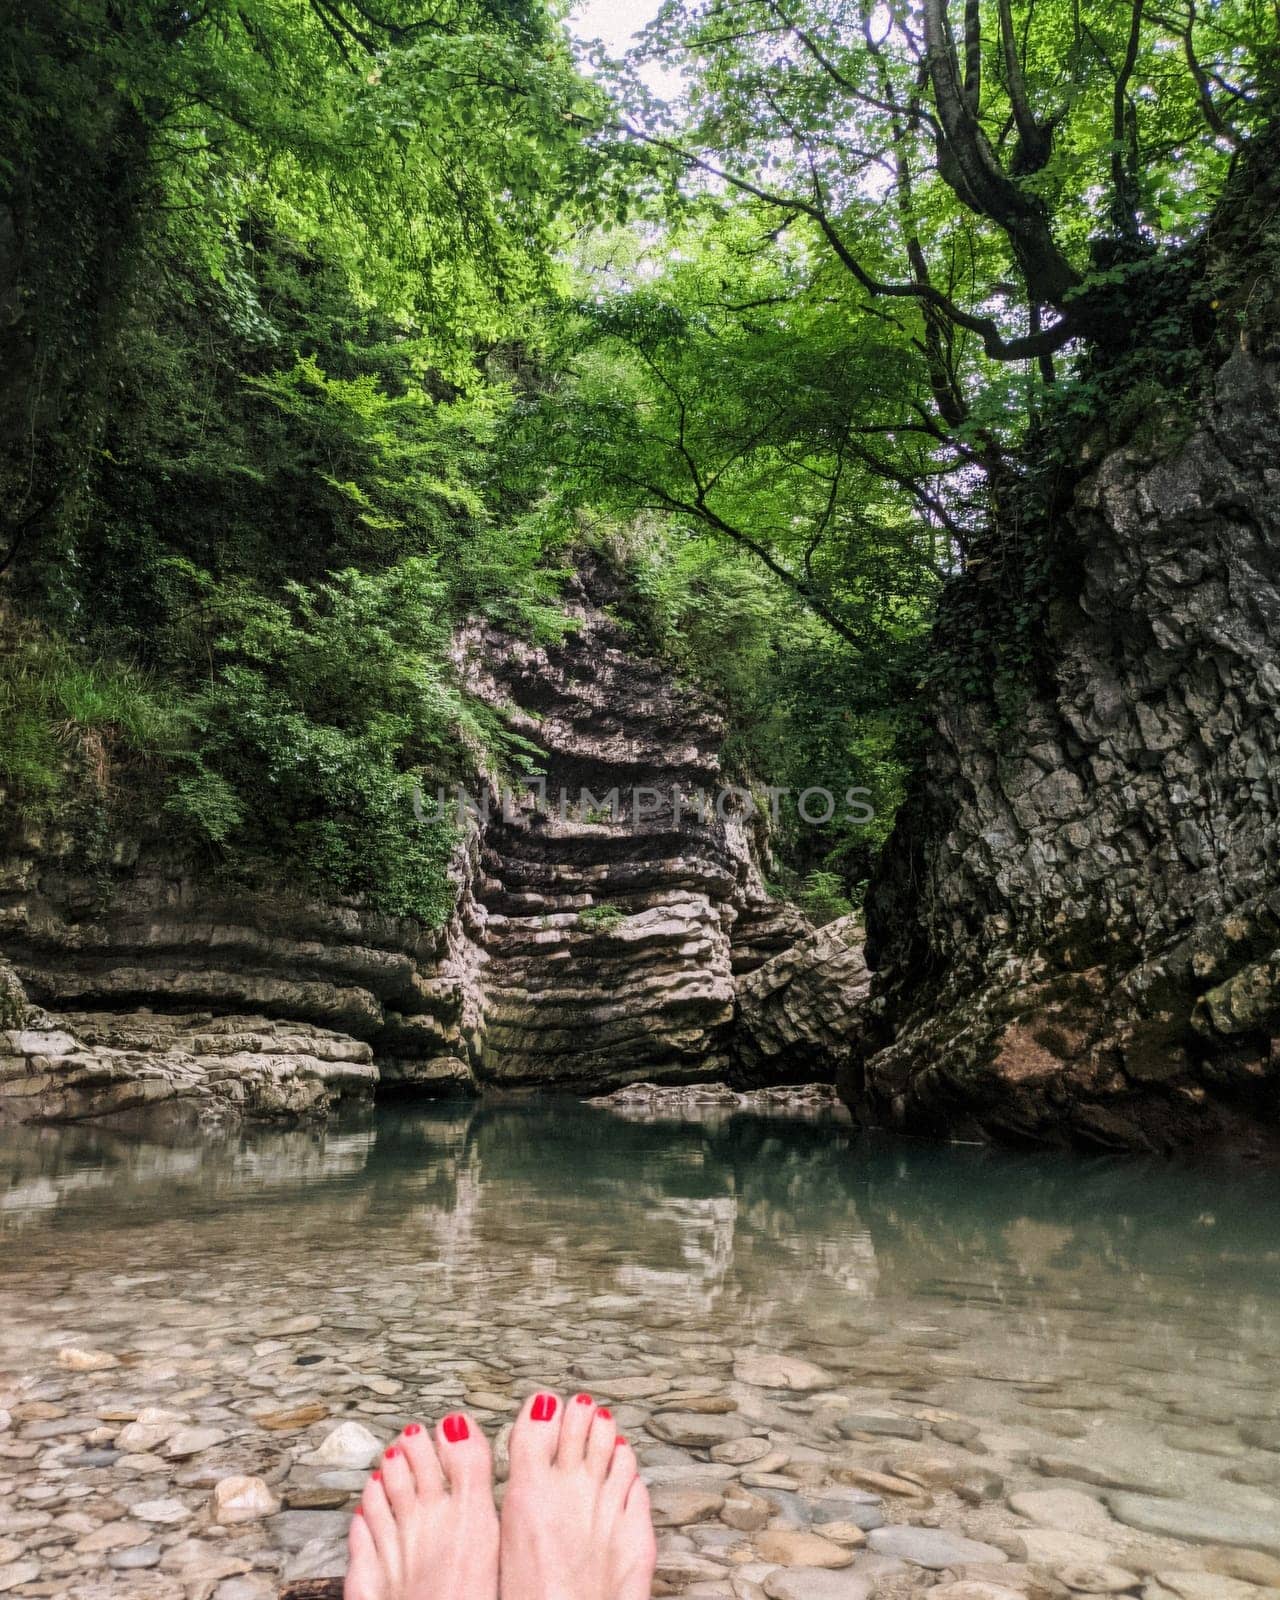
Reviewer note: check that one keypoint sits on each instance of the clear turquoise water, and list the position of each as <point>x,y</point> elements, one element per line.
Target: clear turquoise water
<point>1126,1313</point>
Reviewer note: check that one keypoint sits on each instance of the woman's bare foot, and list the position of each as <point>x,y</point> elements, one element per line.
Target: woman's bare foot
<point>575,1521</point>
<point>425,1528</point>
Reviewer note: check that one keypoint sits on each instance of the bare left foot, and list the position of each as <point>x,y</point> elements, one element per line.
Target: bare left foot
<point>426,1528</point>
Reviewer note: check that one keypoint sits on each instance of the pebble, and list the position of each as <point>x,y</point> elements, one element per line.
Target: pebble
<point>679,1507</point>
<point>790,1547</point>
<point>740,1452</point>
<point>882,1482</point>
<point>243,1499</point>
<point>1199,1586</point>
<point>191,1441</point>
<point>1196,1524</point>
<point>139,1556</point>
<point>816,1584</point>
<point>1096,1579</point>
<point>1068,1510</point>
<point>163,1511</point>
<point>934,1548</point>
<point>1049,1547</point>
<point>875,1425</point>
<point>73,1360</point>
<point>768,1370</point>
<point>349,1445</point>
<point>693,1428</point>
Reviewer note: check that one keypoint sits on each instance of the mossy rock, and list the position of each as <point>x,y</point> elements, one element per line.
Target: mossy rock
<point>13,999</point>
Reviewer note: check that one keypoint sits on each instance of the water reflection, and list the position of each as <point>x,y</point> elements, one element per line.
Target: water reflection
<point>684,1211</point>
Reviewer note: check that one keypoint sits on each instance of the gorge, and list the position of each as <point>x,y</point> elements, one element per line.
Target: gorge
<point>639,800</point>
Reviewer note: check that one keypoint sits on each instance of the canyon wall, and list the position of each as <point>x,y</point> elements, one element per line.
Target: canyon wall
<point>592,943</point>
<point>1075,928</point>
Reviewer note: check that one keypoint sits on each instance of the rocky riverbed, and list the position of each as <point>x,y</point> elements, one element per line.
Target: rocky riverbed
<point>838,1390</point>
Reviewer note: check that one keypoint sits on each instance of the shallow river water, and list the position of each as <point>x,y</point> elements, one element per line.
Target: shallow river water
<point>1038,1374</point>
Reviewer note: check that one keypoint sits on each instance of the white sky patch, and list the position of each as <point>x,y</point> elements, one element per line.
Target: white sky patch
<point>616,23</point>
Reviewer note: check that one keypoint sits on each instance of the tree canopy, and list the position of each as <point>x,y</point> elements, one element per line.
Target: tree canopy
<point>327,323</point>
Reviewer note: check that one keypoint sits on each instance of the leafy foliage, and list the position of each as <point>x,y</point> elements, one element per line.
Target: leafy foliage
<point>308,350</point>
<point>252,258</point>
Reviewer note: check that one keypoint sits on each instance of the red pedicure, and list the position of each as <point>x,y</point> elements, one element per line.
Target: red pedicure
<point>456,1430</point>
<point>583,1399</point>
<point>375,1475</point>
<point>544,1408</point>
<point>390,1452</point>
<point>604,1412</point>
<point>619,1440</point>
<point>412,1429</point>
<point>358,1512</point>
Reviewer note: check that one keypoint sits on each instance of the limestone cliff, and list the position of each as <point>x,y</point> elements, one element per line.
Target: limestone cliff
<point>1076,925</point>
<point>589,947</point>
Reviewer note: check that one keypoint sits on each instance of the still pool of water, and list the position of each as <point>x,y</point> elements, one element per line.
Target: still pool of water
<point>1065,1324</point>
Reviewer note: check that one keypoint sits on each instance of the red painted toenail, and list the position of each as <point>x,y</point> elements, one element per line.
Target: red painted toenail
<point>358,1512</point>
<point>604,1412</point>
<point>619,1440</point>
<point>544,1408</point>
<point>412,1429</point>
<point>375,1475</point>
<point>390,1452</point>
<point>583,1399</point>
<point>456,1430</point>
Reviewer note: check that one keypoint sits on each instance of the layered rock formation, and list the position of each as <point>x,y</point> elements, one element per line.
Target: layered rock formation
<point>199,1066</point>
<point>1076,925</point>
<point>602,921</point>
<point>619,894</point>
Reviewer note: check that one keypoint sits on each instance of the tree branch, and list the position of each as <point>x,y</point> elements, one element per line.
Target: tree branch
<point>1022,347</point>
<point>1124,137</point>
<point>980,182</point>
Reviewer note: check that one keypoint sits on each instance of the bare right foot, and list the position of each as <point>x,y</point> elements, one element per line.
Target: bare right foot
<point>575,1521</point>
<point>426,1528</point>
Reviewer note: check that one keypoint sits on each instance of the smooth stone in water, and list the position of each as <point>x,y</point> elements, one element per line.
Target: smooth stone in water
<point>191,1441</point>
<point>243,1499</point>
<point>934,1548</point>
<point>765,1370</point>
<point>791,1547</point>
<point>693,1429</point>
<point>677,1508</point>
<point>317,1498</point>
<point>163,1511</point>
<point>808,1583</point>
<point>74,1360</point>
<point>1262,1435</point>
<point>1048,1547</point>
<point>1093,1579</point>
<point>349,1445</point>
<point>1203,1586</point>
<point>879,1425</point>
<point>1068,1510</point>
<point>1180,1519</point>
<point>1250,1566</point>
<point>1065,1467</point>
<point>140,1556</point>
<point>741,1452</point>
